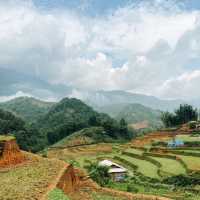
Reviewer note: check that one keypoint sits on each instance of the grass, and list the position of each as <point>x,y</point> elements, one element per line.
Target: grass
<point>29,181</point>
<point>100,196</point>
<point>193,163</point>
<point>135,151</point>
<point>6,137</point>
<point>57,194</point>
<point>94,152</point>
<point>146,168</point>
<point>189,150</point>
<point>79,155</point>
<point>188,138</point>
<point>170,166</point>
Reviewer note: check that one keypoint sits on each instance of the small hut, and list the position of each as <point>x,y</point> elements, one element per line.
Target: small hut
<point>175,143</point>
<point>117,172</point>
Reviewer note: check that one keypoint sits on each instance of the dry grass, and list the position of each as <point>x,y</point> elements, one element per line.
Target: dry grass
<point>6,137</point>
<point>29,181</point>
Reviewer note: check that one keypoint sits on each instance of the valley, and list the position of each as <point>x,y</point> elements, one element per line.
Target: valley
<point>62,144</point>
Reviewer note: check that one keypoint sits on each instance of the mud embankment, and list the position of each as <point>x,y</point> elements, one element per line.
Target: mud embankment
<point>72,183</point>
<point>10,154</point>
<point>69,181</point>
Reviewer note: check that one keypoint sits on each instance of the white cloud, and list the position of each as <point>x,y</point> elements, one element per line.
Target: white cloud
<point>135,48</point>
<point>184,86</point>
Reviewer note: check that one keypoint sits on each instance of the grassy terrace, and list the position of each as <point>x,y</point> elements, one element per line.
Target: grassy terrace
<point>193,163</point>
<point>144,167</point>
<point>135,151</point>
<point>100,196</point>
<point>6,137</point>
<point>188,138</point>
<point>170,166</point>
<point>188,150</point>
<point>28,181</point>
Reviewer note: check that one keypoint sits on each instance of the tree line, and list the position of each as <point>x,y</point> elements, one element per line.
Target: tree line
<point>185,113</point>
<point>65,118</point>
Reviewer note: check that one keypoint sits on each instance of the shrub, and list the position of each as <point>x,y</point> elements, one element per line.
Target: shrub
<point>183,180</point>
<point>192,125</point>
<point>131,188</point>
<point>57,194</point>
<point>192,144</point>
<point>99,173</point>
<point>159,143</point>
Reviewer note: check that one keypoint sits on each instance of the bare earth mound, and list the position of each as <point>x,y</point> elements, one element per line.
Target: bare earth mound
<point>10,153</point>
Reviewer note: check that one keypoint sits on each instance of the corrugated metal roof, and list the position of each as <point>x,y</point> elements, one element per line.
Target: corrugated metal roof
<point>114,167</point>
<point>117,170</point>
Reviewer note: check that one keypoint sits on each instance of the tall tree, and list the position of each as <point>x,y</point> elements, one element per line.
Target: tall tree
<point>182,115</point>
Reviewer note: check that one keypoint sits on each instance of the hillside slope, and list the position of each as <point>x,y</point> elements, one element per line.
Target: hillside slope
<point>71,115</point>
<point>85,136</point>
<point>106,98</point>
<point>28,108</point>
<point>134,113</point>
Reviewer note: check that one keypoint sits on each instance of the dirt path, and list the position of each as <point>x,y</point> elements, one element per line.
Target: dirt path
<point>55,182</point>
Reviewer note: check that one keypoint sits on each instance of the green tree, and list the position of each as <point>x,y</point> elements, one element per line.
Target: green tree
<point>186,113</point>
<point>99,173</point>
<point>123,127</point>
<point>182,115</point>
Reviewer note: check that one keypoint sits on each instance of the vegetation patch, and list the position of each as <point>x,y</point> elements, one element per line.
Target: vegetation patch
<point>29,181</point>
<point>145,167</point>
<point>57,194</point>
<point>170,166</point>
<point>6,137</point>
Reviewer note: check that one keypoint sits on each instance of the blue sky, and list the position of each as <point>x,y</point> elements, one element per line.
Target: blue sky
<point>98,7</point>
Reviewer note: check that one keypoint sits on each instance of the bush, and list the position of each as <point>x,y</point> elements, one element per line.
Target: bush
<point>99,173</point>
<point>182,115</point>
<point>192,125</point>
<point>192,144</point>
<point>159,143</point>
<point>183,180</point>
<point>44,153</point>
<point>131,188</point>
<point>57,194</point>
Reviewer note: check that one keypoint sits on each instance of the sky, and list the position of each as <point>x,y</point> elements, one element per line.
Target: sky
<point>150,47</point>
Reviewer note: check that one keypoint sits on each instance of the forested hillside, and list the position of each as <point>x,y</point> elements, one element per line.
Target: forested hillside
<point>28,136</point>
<point>47,123</point>
<point>70,115</point>
<point>30,109</point>
<point>134,113</point>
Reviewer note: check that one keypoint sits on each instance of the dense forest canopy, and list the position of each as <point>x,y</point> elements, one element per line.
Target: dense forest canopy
<point>70,115</point>
<point>61,120</point>
<point>28,137</point>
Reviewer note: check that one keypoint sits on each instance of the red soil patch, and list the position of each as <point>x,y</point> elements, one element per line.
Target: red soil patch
<point>161,136</point>
<point>148,139</point>
<point>10,154</point>
<point>69,180</point>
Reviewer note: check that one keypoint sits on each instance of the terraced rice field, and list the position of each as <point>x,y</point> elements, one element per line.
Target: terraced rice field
<point>188,138</point>
<point>193,163</point>
<point>135,151</point>
<point>99,196</point>
<point>190,150</point>
<point>29,181</point>
<point>170,166</point>
<point>146,168</point>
